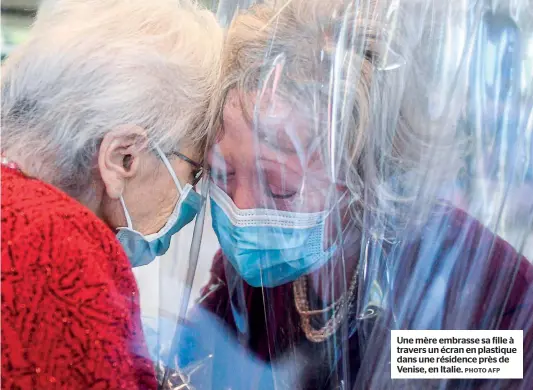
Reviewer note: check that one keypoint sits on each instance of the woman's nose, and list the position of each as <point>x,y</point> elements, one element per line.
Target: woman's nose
<point>244,198</point>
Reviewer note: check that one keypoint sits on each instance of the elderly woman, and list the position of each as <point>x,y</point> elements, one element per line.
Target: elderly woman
<point>323,177</point>
<point>104,124</point>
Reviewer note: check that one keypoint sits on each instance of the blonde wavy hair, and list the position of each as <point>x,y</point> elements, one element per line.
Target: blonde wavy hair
<point>360,78</point>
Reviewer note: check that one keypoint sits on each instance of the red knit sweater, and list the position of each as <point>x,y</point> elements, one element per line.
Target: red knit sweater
<point>70,305</point>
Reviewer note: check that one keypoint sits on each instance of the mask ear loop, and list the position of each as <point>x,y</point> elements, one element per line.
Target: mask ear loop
<point>169,167</point>
<point>126,214</point>
<point>172,174</point>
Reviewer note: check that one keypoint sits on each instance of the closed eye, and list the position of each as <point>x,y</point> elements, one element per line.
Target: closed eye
<point>284,196</point>
<point>278,193</point>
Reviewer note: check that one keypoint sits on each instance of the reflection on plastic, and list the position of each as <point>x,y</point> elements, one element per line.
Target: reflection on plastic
<point>413,120</point>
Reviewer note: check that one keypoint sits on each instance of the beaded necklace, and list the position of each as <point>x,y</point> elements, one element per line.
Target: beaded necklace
<point>339,309</point>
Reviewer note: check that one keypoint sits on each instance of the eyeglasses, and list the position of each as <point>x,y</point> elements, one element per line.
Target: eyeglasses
<point>198,170</point>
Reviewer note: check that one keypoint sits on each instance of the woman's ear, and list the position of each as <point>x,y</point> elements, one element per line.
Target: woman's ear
<point>118,157</point>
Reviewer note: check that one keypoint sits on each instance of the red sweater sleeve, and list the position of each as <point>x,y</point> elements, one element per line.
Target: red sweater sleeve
<point>70,307</point>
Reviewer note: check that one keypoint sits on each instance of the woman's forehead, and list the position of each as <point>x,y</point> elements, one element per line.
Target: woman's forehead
<point>277,124</point>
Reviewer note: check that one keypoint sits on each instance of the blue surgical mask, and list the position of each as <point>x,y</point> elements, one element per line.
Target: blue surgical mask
<point>269,248</point>
<point>141,249</point>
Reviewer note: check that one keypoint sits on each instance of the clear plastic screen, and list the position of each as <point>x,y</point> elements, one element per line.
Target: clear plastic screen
<point>373,172</point>
<point>168,285</point>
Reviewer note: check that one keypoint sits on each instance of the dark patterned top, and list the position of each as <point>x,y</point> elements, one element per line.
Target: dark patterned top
<point>70,305</point>
<point>265,322</point>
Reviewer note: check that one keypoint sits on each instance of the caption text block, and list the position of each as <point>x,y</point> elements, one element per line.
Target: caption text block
<point>440,354</point>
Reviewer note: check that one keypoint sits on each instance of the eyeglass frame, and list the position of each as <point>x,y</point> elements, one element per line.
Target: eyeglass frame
<point>198,167</point>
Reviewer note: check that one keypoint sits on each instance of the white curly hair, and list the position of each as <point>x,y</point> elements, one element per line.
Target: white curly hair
<point>92,65</point>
